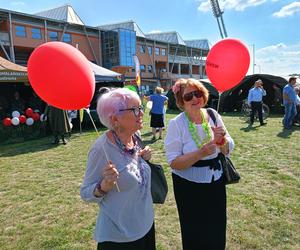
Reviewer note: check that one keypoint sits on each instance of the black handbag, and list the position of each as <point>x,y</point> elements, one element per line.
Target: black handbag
<point>159,185</point>
<point>230,173</point>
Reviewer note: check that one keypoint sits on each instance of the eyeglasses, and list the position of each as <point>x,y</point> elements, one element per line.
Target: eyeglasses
<point>135,110</point>
<point>189,96</point>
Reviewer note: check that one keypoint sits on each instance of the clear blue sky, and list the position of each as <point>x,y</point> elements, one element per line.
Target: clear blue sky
<point>272,26</point>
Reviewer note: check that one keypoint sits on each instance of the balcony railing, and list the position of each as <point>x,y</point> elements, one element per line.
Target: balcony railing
<point>186,60</point>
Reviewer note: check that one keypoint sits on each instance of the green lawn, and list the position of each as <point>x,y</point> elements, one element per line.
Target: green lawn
<point>40,206</point>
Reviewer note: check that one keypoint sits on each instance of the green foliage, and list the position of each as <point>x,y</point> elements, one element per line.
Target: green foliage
<point>40,206</point>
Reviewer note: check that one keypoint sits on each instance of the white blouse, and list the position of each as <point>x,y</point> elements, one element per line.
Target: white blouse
<point>179,141</point>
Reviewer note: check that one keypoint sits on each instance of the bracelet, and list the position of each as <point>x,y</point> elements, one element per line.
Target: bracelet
<point>222,142</point>
<point>98,192</point>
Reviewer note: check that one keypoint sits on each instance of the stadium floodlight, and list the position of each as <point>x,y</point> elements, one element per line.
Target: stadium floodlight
<point>218,15</point>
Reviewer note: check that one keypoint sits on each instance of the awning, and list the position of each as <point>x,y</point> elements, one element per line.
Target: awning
<point>11,72</point>
<point>105,75</point>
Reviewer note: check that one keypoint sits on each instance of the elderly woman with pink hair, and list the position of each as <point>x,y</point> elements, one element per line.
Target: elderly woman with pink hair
<point>118,177</point>
<point>193,144</point>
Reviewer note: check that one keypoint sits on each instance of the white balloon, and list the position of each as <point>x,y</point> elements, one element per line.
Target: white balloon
<point>15,114</point>
<point>29,121</point>
<point>43,118</point>
<point>149,104</point>
<point>15,121</point>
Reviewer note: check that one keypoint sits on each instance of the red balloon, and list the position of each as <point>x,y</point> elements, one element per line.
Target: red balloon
<point>22,119</point>
<point>6,122</point>
<point>61,75</point>
<point>29,112</point>
<point>36,116</point>
<point>227,63</point>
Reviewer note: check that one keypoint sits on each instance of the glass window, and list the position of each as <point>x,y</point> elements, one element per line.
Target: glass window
<point>157,51</point>
<point>36,33</point>
<point>163,52</point>
<point>53,35</point>
<point>142,49</point>
<point>149,50</point>
<point>67,38</point>
<point>150,68</point>
<point>20,31</point>
<point>143,68</point>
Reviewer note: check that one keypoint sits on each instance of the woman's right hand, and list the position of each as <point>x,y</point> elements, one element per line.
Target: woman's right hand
<point>110,175</point>
<point>208,149</point>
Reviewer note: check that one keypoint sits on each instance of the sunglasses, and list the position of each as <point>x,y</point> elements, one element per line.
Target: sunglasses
<point>135,110</point>
<point>189,96</point>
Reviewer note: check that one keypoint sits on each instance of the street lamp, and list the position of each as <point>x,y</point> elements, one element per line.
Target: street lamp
<point>259,67</point>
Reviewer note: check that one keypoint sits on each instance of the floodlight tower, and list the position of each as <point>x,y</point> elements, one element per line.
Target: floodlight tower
<point>218,15</point>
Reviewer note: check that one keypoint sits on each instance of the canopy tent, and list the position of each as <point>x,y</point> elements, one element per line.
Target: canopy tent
<point>232,99</point>
<point>106,75</point>
<point>11,72</point>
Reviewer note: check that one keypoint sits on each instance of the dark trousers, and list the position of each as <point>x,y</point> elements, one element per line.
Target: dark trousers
<point>202,213</point>
<point>256,106</point>
<point>145,243</point>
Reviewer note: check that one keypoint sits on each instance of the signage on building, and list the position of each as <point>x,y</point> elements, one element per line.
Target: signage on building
<point>13,76</point>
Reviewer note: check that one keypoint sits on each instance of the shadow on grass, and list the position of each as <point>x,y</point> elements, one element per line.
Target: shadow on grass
<point>28,147</point>
<point>249,128</point>
<point>286,133</point>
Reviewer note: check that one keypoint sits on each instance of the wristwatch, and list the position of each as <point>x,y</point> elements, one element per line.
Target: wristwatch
<point>98,192</point>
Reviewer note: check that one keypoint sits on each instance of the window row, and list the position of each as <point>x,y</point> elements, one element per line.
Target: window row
<point>143,68</point>
<point>37,34</point>
<point>158,51</point>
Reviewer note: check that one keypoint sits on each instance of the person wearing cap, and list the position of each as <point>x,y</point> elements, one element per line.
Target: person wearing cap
<point>255,101</point>
<point>289,102</point>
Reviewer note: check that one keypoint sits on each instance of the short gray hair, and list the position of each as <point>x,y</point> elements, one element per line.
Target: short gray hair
<point>111,102</point>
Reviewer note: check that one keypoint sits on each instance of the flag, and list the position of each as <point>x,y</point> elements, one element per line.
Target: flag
<point>81,112</point>
<point>137,70</point>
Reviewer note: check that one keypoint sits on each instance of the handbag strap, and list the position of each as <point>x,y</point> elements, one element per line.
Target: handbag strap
<point>211,113</point>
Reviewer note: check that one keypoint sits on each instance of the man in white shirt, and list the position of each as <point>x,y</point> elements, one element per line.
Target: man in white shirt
<point>255,101</point>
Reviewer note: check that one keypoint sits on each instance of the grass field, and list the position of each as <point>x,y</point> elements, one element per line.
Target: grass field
<point>40,206</point>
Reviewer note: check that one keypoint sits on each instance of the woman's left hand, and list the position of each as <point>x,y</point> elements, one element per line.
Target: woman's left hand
<point>145,153</point>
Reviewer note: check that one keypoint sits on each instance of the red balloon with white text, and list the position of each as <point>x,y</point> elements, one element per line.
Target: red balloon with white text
<point>227,64</point>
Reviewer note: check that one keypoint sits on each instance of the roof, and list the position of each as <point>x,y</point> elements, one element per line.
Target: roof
<point>199,44</point>
<point>10,66</point>
<point>105,75</point>
<point>64,13</point>
<point>168,37</point>
<point>129,25</point>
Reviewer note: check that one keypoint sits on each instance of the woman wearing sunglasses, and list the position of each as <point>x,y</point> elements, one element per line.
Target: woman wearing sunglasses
<point>118,178</point>
<point>192,145</point>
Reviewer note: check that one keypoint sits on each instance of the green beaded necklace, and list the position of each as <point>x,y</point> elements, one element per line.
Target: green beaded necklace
<point>194,132</point>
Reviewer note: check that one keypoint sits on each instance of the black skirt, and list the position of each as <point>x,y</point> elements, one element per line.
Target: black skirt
<point>145,243</point>
<point>202,213</point>
<point>157,121</point>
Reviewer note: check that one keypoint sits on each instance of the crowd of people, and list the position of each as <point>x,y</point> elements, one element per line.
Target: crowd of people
<point>290,100</point>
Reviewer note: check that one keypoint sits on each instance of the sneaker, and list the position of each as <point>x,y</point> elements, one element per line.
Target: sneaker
<point>263,124</point>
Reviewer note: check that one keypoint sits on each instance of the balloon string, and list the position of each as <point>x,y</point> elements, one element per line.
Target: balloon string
<point>219,100</point>
<point>116,183</point>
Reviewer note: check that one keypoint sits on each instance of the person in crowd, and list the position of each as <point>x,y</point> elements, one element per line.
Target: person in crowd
<point>59,123</point>
<point>3,107</point>
<point>289,102</point>
<point>157,111</point>
<point>17,103</point>
<point>35,103</point>
<point>297,117</point>
<point>192,146</point>
<point>255,96</point>
<point>118,177</point>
